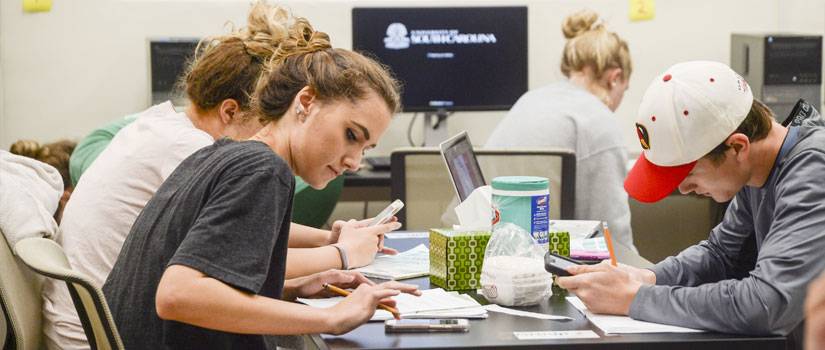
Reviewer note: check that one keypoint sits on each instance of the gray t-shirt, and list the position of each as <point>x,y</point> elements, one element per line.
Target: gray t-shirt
<point>750,276</point>
<point>563,115</point>
<point>224,212</point>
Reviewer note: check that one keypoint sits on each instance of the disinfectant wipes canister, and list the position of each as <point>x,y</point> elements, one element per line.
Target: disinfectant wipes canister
<point>523,201</point>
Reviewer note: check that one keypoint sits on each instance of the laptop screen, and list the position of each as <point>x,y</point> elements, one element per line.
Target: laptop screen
<point>462,165</point>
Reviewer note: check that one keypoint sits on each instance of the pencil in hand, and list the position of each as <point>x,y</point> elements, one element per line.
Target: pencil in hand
<point>345,293</point>
<point>609,243</point>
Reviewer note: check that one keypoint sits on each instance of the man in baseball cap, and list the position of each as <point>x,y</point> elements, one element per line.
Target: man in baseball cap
<point>702,131</point>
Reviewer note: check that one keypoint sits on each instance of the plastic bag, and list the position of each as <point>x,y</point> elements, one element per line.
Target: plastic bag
<point>513,272</point>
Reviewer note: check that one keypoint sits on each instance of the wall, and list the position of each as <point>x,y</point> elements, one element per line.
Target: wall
<point>69,70</point>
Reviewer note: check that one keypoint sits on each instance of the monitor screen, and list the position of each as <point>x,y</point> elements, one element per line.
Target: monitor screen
<point>462,165</point>
<point>467,58</point>
<point>167,59</point>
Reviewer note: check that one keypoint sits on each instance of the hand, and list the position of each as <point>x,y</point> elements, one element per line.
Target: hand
<point>335,233</point>
<point>358,307</point>
<point>815,314</point>
<point>604,289</point>
<point>644,276</point>
<point>362,242</point>
<point>312,286</point>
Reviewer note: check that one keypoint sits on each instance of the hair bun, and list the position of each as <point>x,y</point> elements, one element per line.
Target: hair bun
<point>302,39</point>
<point>29,148</point>
<point>266,28</point>
<point>580,23</point>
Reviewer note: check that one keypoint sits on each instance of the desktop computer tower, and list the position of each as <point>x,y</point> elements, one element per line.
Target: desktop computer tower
<point>780,68</point>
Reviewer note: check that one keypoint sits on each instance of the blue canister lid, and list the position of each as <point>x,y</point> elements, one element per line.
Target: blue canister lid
<point>520,183</point>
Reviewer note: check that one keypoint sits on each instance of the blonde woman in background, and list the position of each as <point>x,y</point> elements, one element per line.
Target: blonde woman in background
<point>577,114</point>
<point>115,188</point>
<point>56,154</point>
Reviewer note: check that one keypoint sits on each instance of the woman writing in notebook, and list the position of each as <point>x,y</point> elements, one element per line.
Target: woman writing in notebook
<point>203,266</point>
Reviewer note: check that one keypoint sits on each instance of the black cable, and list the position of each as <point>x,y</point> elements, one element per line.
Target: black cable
<point>409,130</point>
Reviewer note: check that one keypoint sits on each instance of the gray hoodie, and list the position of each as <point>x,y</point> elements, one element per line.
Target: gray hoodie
<point>750,275</point>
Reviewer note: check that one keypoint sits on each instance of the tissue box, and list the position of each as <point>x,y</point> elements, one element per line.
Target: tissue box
<point>456,258</point>
<point>559,243</point>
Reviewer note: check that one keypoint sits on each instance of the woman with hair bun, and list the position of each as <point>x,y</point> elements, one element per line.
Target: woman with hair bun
<point>203,266</point>
<point>115,188</point>
<point>578,114</point>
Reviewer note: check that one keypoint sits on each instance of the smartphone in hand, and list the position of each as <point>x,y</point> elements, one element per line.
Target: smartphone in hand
<point>385,215</point>
<point>557,264</point>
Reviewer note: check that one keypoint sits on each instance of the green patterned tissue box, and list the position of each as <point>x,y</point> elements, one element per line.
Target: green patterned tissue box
<point>559,243</point>
<point>456,258</point>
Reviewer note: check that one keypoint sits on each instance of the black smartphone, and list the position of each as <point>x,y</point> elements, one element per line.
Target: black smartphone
<point>427,325</point>
<point>557,264</point>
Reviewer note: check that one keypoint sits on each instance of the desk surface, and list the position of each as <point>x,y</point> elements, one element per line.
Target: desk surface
<point>497,330</point>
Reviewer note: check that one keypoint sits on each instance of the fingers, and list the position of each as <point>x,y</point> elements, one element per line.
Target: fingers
<point>403,287</point>
<point>573,282</point>
<point>363,222</point>
<point>359,278</point>
<point>580,269</point>
<point>388,251</point>
<point>383,228</point>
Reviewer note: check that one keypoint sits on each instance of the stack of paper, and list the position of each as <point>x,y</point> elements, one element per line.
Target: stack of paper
<point>611,324</point>
<point>433,303</point>
<point>412,263</point>
<point>589,249</point>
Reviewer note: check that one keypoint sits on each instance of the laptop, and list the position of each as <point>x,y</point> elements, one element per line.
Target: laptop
<point>462,164</point>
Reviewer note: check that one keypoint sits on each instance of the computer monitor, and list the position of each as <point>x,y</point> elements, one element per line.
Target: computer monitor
<point>450,58</point>
<point>462,164</point>
<point>167,61</point>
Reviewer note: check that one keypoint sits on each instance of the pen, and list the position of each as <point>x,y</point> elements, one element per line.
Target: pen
<point>609,245</point>
<point>345,293</point>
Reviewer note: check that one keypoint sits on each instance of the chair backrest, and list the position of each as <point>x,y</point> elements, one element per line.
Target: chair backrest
<point>421,180</point>
<point>46,257</point>
<point>20,295</point>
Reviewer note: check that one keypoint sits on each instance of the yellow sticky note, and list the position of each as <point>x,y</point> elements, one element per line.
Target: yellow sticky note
<point>641,10</point>
<point>37,5</point>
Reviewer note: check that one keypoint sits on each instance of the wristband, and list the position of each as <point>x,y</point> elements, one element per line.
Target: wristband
<point>343,253</point>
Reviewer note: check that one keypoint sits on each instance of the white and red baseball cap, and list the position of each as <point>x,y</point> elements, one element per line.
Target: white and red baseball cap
<point>685,113</point>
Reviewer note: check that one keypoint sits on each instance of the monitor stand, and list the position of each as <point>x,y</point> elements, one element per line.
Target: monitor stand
<point>435,127</point>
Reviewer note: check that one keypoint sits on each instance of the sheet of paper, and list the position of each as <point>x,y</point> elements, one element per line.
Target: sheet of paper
<point>589,248</point>
<point>407,234</point>
<point>611,324</point>
<point>433,303</point>
<point>555,335</point>
<point>504,310</point>
<point>412,263</point>
<point>578,229</point>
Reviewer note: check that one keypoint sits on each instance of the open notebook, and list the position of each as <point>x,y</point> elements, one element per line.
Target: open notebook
<point>412,263</point>
<point>612,324</point>
<point>433,303</point>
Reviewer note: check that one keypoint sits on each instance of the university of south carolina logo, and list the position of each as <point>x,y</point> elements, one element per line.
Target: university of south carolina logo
<point>396,37</point>
<point>644,138</point>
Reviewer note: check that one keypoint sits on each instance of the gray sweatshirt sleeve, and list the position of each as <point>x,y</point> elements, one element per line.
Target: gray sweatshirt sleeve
<point>769,299</point>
